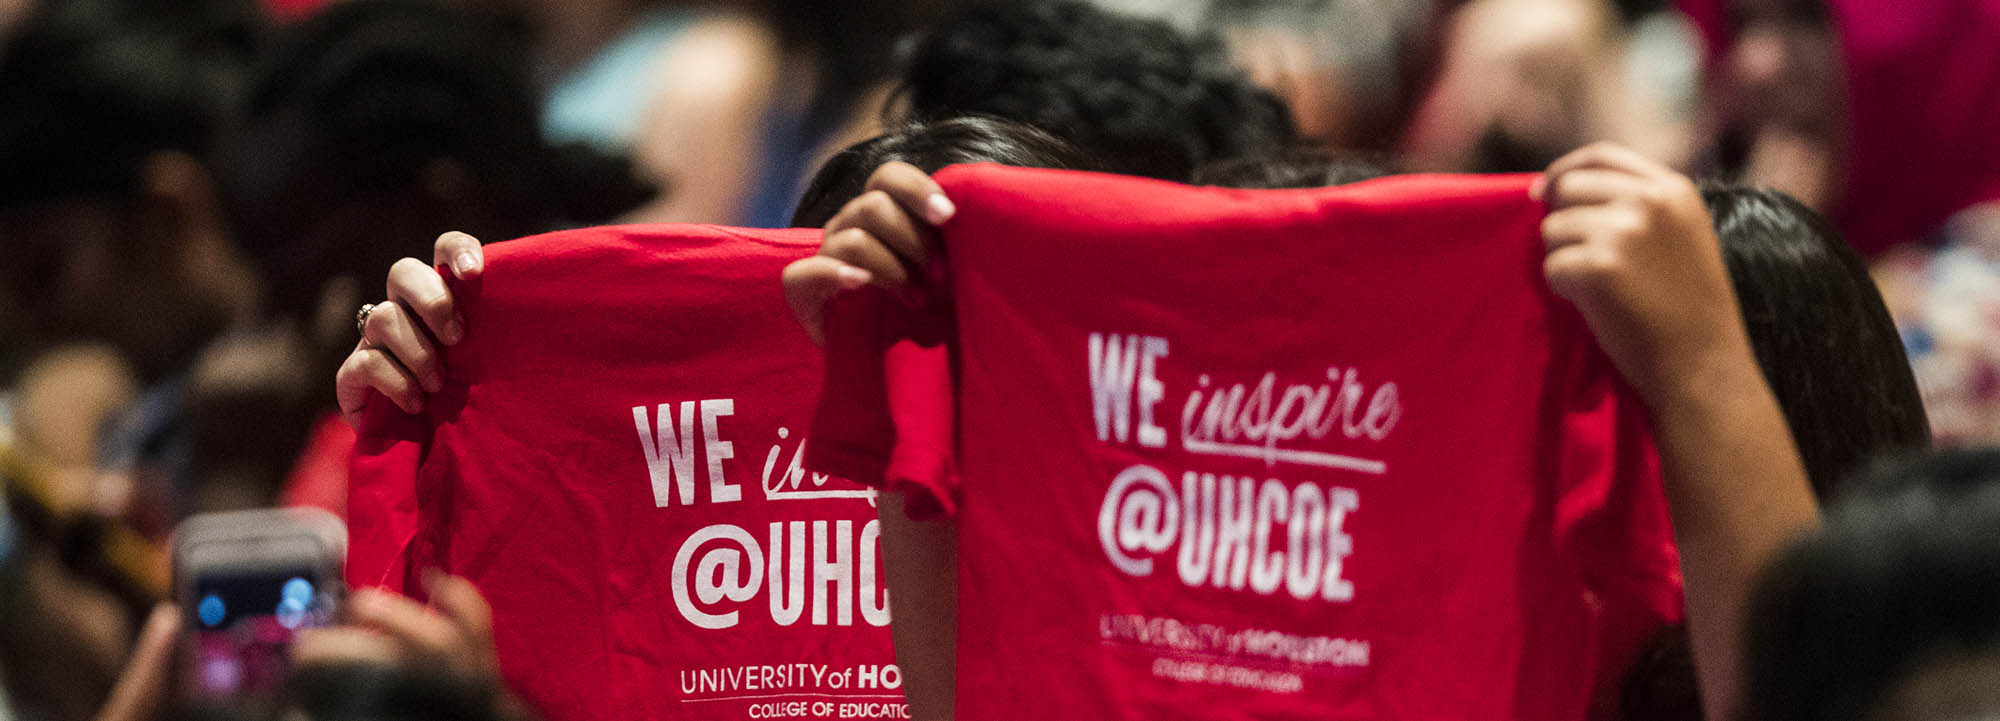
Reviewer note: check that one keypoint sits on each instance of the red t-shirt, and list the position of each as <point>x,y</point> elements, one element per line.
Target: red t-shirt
<point>1316,454</point>
<point>614,462</point>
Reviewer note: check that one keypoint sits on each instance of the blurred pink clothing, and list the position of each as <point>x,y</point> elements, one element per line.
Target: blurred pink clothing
<point>1923,105</point>
<point>1923,84</point>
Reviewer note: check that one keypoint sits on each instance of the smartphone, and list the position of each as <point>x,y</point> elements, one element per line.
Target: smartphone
<point>246,582</point>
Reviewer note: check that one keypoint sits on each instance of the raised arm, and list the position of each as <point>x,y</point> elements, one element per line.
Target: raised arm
<point>887,237</point>
<point>1630,243</point>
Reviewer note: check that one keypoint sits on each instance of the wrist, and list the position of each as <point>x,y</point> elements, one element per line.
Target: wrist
<point>1720,373</point>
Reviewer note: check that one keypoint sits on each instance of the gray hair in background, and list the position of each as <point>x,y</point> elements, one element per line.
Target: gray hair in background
<point>1363,43</point>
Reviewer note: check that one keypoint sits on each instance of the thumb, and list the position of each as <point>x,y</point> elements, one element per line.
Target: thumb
<point>461,602</point>
<point>813,281</point>
<point>461,253</point>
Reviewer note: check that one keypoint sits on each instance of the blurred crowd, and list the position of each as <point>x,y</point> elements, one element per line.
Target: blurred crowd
<point>196,195</point>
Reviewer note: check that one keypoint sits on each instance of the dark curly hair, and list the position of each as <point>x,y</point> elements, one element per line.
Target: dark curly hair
<point>90,89</point>
<point>349,116</point>
<point>1139,95</point>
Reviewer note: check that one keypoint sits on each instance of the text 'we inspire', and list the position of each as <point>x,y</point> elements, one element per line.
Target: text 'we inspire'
<point>1226,530</point>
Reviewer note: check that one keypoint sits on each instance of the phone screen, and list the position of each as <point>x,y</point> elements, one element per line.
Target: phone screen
<point>242,628</point>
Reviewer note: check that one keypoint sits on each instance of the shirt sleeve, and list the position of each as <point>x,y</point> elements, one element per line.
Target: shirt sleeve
<point>886,413</point>
<point>382,495</point>
<point>1611,514</point>
<point>923,408</point>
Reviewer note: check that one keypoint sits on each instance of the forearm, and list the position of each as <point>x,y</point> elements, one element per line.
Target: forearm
<point>1738,495</point>
<point>922,569</point>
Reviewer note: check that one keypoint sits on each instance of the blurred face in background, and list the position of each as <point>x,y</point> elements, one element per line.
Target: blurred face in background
<point>153,274</point>
<point>1779,104</point>
<point>11,12</point>
<point>1520,82</point>
<point>1337,64</point>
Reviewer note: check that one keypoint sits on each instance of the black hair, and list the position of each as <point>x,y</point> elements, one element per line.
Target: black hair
<point>1294,167</point>
<point>1821,333</point>
<point>1944,472</point>
<point>1833,358</point>
<point>930,146</point>
<point>1630,12</point>
<point>90,90</point>
<point>1145,98</point>
<point>1501,150</point>
<point>854,44</point>
<point>1897,579</point>
<point>348,121</point>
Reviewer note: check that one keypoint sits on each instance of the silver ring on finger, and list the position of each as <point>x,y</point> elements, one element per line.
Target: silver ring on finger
<point>361,318</point>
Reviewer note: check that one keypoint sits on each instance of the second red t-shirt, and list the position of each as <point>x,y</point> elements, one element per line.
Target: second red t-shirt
<point>1315,454</point>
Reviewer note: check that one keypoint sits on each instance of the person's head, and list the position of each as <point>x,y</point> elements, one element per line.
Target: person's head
<point>1821,333</point>
<point>1519,83</point>
<point>1892,610</point>
<point>1136,93</point>
<point>371,128</point>
<point>107,209</point>
<point>930,146</point>
<point>1861,108</point>
<point>1778,89</point>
